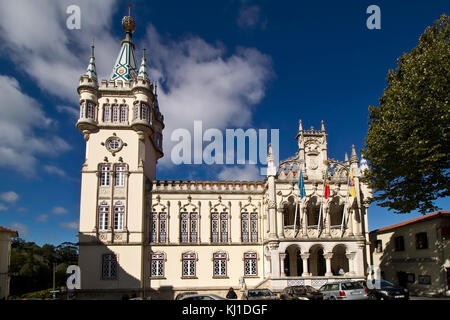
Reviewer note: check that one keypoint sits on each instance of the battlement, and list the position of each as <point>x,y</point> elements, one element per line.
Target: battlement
<point>170,186</point>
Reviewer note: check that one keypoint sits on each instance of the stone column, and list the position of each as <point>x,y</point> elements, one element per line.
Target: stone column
<point>350,222</point>
<point>282,257</point>
<point>271,172</point>
<point>305,257</point>
<point>328,257</point>
<point>327,217</point>
<point>350,256</point>
<point>304,222</point>
<point>280,223</point>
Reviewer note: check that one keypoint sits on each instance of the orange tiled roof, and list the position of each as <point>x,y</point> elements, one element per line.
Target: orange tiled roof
<point>3,229</point>
<point>430,216</point>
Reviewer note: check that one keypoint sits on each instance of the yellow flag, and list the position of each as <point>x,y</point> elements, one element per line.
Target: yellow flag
<point>351,188</point>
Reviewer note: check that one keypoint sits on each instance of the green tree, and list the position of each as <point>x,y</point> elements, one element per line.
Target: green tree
<point>407,145</point>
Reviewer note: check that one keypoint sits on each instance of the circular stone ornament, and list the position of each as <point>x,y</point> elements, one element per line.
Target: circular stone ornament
<point>114,144</point>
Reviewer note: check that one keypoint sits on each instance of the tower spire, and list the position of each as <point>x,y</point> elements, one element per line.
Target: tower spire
<point>143,68</point>
<point>91,71</point>
<point>125,66</point>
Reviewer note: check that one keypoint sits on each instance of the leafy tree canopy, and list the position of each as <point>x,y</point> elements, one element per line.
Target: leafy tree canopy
<point>407,145</point>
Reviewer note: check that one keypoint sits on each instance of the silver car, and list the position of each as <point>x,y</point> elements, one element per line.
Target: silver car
<point>202,297</point>
<point>346,290</point>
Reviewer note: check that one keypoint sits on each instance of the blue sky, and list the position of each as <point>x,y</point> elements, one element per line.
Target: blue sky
<point>231,64</point>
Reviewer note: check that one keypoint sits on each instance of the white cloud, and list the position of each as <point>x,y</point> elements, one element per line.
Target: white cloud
<point>42,218</point>
<point>69,225</point>
<point>10,197</point>
<point>241,173</point>
<point>201,82</point>
<point>59,210</point>
<point>20,117</point>
<point>38,41</point>
<point>54,170</point>
<point>19,227</point>
<point>3,207</point>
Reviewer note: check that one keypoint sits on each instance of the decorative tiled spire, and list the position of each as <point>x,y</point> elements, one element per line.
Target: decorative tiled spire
<point>143,68</point>
<point>125,66</point>
<point>91,71</point>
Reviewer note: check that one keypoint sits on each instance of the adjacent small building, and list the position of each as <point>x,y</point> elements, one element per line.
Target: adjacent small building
<point>415,254</point>
<point>5,257</point>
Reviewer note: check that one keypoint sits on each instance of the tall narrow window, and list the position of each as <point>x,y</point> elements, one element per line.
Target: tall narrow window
<point>120,176</point>
<point>188,264</point>
<point>119,213</point>
<point>103,215</point>
<point>254,227</point>
<point>90,110</point>
<point>157,265</point>
<point>250,264</point>
<point>105,178</point>
<point>220,264</point>
<point>115,113</point>
<point>214,227</point>
<point>194,226</point>
<point>106,113</point>
<point>162,227</point>
<point>136,111</point>
<point>154,227</point>
<point>184,227</point>
<point>244,227</point>
<point>109,266</point>
<point>123,114</point>
<point>144,111</point>
<point>223,227</point>
<point>83,110</point>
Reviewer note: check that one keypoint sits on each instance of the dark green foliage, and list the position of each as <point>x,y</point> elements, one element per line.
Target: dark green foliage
<point>408,145</point>
<point>32,266</point>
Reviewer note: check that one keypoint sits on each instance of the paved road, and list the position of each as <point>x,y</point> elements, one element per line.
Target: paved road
<point>428,298</point>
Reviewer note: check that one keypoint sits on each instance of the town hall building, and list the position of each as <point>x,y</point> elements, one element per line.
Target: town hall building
<point>146,237</point>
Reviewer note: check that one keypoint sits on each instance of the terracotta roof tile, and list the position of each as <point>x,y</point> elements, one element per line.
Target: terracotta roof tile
<point>430,216</point>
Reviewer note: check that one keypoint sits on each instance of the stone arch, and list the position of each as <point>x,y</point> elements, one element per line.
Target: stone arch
<point>293,263</point>
<point>336,206</point>
<point>339,259</point>
<point>312,210</point>
<point>289,212</point>
<point>316,261</point>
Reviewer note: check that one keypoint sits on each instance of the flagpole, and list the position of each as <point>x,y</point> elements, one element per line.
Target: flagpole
<point>321,203</point>
<point>295,218</point>
<point>345,205</point>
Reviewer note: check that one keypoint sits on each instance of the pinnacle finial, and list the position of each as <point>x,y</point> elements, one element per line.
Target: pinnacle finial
<point>346,157</point>
<point>128,23</point>
<point>322,124</point>
<point>354,157</point>
<point>300,125</point>
<point>92,48</point>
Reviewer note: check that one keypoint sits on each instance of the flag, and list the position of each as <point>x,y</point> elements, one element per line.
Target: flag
<point>301,185</point>
<point>352,189</point>
<point>326,193</point>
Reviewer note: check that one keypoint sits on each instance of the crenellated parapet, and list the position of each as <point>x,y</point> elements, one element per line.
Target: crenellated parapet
<point>182,186</point>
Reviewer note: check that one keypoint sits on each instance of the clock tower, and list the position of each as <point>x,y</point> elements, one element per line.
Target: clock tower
<point>122,125</point>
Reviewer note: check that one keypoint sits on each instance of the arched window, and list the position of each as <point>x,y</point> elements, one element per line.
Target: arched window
<point>115,113</point>
<point>219,264</point>
<point>189,227</point>
<point>123,113</point>
<point>250,264</point>
<point>119,213</point>
<point>144,111</point>
<point>188,264</point>
<point>106,113</point>
<point>120,175</point>
<point>157,265</point>
<point>158,227</point>
<point>105,178</point>
<point>103,217</point>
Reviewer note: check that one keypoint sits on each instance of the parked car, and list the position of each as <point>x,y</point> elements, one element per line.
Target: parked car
<point>388,291</point>
<point>260,294</point>
<point>301,293</point>
<point>201,297</point>
<point>346,290</point>
<point>184,294</point>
